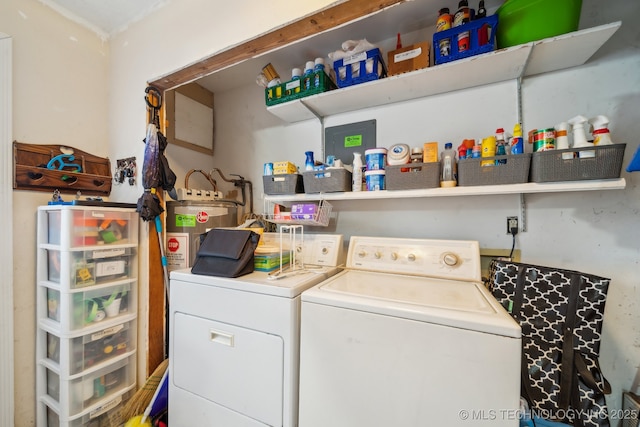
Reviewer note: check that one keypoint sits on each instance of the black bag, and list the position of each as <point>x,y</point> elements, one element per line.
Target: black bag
<point>560,313</point>
<point>226,253</point>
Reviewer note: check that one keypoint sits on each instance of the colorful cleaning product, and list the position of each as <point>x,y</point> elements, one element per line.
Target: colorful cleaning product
<point>600,131</point>
<point>517,145</point>
<point>579,136</point>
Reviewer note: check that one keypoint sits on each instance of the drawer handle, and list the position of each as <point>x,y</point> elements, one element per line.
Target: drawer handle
<point>221,337</point>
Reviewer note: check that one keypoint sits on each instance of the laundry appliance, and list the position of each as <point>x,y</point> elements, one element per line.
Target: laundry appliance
<point>407,335</point>
<point>234,343</point>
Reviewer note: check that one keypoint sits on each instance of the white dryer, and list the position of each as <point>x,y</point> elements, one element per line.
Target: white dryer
<point>408,336</point>
<point>234,343</point>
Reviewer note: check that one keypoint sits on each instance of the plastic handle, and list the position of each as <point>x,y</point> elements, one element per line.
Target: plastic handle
<point>221,337</point>
<point>158,224</point>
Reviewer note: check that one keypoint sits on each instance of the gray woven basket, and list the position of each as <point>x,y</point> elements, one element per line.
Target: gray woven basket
<point>412,176</point>
<point>327,181</point>
<point>549,166</point>
<point>514,171</point>
<point>283,184</point>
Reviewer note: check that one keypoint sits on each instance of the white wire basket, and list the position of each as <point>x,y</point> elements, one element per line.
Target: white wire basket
<point>320,218</point>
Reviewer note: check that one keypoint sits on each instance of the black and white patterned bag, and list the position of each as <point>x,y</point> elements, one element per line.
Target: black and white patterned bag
<point>561,313</point>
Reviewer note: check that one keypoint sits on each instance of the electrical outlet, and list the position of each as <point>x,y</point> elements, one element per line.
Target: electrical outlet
<point>512,222</point>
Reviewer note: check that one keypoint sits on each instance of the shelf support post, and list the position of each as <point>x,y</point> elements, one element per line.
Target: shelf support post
<point>523,212</point>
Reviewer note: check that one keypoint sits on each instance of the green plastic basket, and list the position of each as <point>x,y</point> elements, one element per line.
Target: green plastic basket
<point>523,21</point>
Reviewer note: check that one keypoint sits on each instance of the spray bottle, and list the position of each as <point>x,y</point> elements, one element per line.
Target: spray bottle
<point>600,130</point>
<point>579,136</point>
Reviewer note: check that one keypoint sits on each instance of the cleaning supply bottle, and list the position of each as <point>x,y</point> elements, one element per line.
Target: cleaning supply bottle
<point>449,167</point>
<point>309,162</point>
<point>579,136</point>
<point>600,130</point>
<point>562,139</point>
<point>500,146</point>
<point>308,75</point>
<point>517,145</point>
<point>356,174</point>
<point>444,22</point>
<point>488,150</point>
<point>318,70</point>
<point>461,17</point>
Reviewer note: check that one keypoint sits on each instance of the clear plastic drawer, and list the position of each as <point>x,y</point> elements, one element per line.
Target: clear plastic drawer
<point>105,415</point>
<point>78,227</point>
<point>89,306</point>
<point>92,389</point>
<point>87,268</point>
<point>75,355</point>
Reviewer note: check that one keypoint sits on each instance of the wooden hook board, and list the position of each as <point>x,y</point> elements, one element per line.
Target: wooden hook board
<point>58,167</point>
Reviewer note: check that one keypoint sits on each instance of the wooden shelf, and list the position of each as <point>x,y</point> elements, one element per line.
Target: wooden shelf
<point>554,53</point>
<point>526,188</point>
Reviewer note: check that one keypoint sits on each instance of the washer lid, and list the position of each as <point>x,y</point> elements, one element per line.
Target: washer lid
<point>461,304</point>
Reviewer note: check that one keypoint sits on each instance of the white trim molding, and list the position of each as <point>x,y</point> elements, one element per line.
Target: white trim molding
<point>6,250</point>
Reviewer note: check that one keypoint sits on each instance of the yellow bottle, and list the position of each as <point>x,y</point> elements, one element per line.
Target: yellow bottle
<point>488,150</point>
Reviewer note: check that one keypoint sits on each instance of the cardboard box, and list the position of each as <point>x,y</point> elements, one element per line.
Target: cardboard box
<point>409,58</point>
<point>304,211</point>
<point>283,168</point>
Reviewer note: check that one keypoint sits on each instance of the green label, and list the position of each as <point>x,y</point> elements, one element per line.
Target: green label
<point>352,141</point>
<point>185,220</point>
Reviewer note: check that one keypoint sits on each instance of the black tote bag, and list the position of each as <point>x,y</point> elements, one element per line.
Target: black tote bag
<point>560,313</point>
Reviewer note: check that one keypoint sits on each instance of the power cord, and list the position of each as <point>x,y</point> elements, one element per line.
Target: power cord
<point>513,231</point>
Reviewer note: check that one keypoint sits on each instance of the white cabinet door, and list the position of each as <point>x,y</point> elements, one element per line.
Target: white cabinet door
<point>238,368</point>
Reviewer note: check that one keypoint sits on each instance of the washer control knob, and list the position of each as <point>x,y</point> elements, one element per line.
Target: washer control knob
<point>394,256</point>
<point>377,254</point>
<point>450,259</point>
<point>325,251</point>
<point>299,249</point>
<point>411,257</point>
<point>362,254</point>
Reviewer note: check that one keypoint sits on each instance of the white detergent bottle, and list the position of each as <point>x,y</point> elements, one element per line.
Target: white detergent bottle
<point>562,139</point>
<point>600,131</point>
<point>580,137</point>
<point>356,183</point>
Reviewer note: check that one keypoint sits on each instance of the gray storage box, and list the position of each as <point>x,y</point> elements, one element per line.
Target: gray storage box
<point>327,181</point>
<point>514,171</point>
<point>412,176</point>
<point>549,166</point>
<point>283,184</point>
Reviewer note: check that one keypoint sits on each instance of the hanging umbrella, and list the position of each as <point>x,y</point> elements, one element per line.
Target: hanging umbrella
<point>156,172</point>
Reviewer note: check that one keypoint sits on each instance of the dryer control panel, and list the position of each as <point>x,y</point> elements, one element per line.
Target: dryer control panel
<point>448,259</point>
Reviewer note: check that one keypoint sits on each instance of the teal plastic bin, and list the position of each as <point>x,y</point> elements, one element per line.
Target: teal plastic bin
<point>523,21</point>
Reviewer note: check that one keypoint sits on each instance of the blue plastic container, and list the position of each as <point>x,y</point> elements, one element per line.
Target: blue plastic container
<point>489,23</point>
<point>353,69</point>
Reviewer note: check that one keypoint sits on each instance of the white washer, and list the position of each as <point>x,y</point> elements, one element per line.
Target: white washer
<point>234,343</point>
<point>408,336</point>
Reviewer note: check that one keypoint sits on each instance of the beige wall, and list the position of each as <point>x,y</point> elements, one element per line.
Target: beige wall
<point>60,82</point>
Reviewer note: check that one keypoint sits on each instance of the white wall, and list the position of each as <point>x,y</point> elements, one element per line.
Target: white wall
<point>595,232</point>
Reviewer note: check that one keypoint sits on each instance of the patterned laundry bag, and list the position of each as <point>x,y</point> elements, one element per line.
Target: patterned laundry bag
<point>560,313</point>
